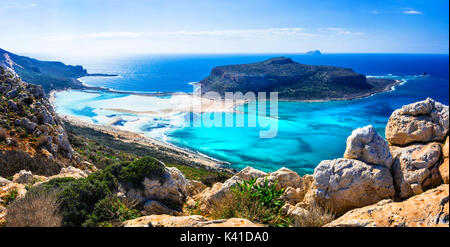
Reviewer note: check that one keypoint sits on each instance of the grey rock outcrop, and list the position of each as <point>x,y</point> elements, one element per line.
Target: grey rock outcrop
<point>366,145</point>
<point>23,177</point>
<point>169,189</point>
<point>345,184</point>
<point>423,121</point>
<point>416,168</point>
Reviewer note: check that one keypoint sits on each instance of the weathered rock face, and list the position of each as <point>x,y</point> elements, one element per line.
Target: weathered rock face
<point>155,208</point>
<point>443,168</point>
<point>212,197</point>
<point>28,109</point>
<point>285,178</point>
<point>345,184</point>
<point>170,189</point>
<point>415,168</point>
<point>4,181</point>
<point>423,121</point>
<point>428,209</point>
<point>366,145</point>
<point>195,187</point>
<point>23,177</point>
<point>186,221</point>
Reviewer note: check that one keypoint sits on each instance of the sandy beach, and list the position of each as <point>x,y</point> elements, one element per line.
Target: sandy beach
<point>136,138</point>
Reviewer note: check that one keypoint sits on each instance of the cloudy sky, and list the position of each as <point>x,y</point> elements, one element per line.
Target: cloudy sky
<point>114,27</point>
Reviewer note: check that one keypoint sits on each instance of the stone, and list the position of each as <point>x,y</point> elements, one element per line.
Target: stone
<point>415,168</point>
<point>12,94</point>
<point>28,125</point>
<point>152,207</point>
<point>285,178</point>
<point>12,106</point>
<point>170,188</point>
<point>72,172</point>
<point>343,184</point>
<point>46,116</point>
<point>195,187</point>
<point>297,214</point>
<point>23,177</point>
<point>423,121</point>
<point>214,196</point>
<point>186,221</point>
<point>366,145</point>
<point>4,181</point>
<point>427,209</point>
<point>443,167</point>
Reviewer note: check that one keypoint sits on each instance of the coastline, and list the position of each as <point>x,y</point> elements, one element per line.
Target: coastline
<point>171,149</point>
<point>188,156</point>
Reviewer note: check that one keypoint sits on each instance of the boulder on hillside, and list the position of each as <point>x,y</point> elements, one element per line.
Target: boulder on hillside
<point>214,196</point>
<point>344,184</point>
<point>167,186</point>
<point>4,181</point>
<point>152,207</point>
<point>23,177</point>
<point>443,167</point>
<point>366,145</point>
<point>428,209</point>
<point>423,121</point>
<point>284,178</point>
<point>415,168</point>
<point>195,187</point>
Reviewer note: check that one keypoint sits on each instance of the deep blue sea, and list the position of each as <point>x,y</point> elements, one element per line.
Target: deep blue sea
<point>307,132</point>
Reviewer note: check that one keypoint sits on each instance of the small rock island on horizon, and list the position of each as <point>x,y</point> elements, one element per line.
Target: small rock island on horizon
<point>313,53</point>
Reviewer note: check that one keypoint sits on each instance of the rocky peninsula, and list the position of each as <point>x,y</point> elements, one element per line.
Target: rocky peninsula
<point>294,81</point>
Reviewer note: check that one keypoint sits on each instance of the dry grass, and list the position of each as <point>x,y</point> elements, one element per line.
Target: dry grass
<point>42,141</point>
<point>317,217</point>
<point>3,134</point>
<point>36,210</point>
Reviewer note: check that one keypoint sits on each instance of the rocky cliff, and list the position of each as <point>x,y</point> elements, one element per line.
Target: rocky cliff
<point>31,137</point>
<point>293,80</point>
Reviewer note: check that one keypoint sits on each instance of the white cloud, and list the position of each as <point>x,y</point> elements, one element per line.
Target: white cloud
<point>21,6</point>
<point>239,33</point>
<point>375,12</point>
<point>412,12</point>
<point>339,31</point>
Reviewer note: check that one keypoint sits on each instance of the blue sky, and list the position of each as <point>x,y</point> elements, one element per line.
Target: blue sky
<point>113,27</point>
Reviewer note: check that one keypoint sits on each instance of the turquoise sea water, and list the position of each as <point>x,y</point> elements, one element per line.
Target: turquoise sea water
<point>307,132</point>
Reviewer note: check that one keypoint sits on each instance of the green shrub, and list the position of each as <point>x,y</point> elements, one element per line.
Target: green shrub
<point>10,197</point>
<point>79,197</point>
<point>258,203</point>
<point>111,212</point>
<point>136,171</point>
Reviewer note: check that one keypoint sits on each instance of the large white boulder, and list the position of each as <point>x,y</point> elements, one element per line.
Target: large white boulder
<point>423,121</point>
<point>343,184</point>
<point>416,168</point>
<point>367,145</point>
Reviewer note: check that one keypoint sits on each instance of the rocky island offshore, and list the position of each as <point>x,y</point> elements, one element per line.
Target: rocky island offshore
<point>294,81</point>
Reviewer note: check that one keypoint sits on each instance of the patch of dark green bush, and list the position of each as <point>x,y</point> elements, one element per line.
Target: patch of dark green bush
<point>112,212</point>
<point>92,201</point>
<point>136,171</point>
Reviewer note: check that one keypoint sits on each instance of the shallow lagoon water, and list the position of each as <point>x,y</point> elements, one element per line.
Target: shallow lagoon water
<point>307,132</point>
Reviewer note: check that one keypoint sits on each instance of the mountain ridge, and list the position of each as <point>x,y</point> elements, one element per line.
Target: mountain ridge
<point>51,75</point>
